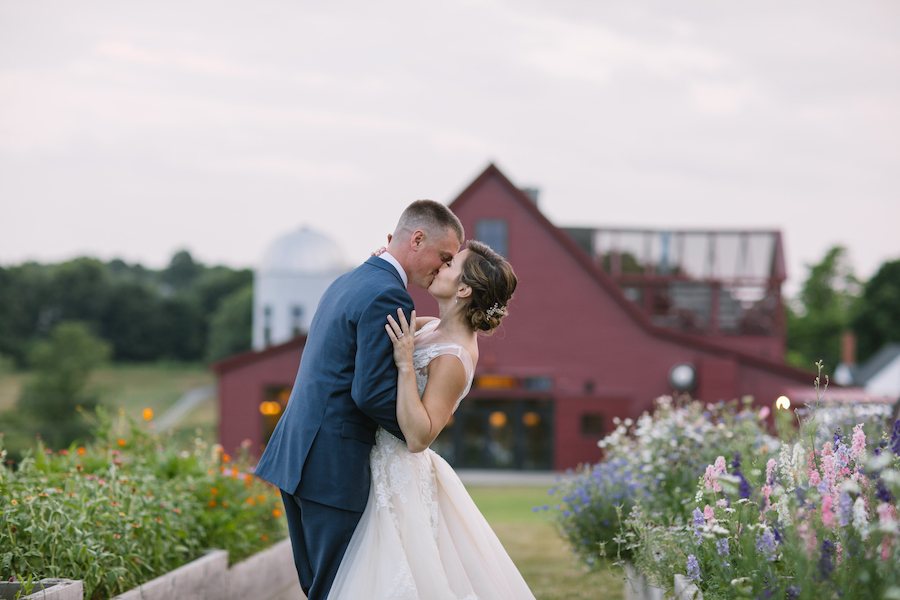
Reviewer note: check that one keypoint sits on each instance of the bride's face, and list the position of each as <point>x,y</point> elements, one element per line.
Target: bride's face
<point>446,282</point>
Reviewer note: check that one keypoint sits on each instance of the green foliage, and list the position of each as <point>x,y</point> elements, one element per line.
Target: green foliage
<point>230,328</point>
<point>129,507</point>
<point>825,308</point>
<point>143,314</point>
<point>56,398</point>
<point>877,321</point>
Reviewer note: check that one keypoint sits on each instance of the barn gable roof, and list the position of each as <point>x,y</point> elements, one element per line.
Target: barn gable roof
<point>598,276</point>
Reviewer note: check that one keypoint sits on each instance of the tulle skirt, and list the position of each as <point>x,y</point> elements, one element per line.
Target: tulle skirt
<point>421,537</point>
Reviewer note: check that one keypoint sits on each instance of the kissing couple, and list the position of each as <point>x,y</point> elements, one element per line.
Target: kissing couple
<point>373,513</point>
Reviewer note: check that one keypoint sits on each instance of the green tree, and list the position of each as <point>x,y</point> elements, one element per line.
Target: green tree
<point>822,311</point>
<point>877,319</point>
<point>57,395</point>
<point>231,326</point>
<point>182,271</point>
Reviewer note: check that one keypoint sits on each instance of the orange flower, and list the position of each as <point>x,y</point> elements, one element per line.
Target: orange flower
<point>147,414</point>
<point>212,504</point>
<point>264,537</point>
<point>81,451</point>
<point>226,457</point>
<point>276,513</point>
<point>251,501</point>
<point>214,491</point>
<point>121,442</point>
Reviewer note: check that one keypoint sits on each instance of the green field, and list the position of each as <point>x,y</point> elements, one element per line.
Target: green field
<point>132,388</point>
<point>541,555</point>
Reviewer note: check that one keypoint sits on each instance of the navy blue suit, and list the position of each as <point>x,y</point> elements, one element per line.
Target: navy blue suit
<point>345,388</point>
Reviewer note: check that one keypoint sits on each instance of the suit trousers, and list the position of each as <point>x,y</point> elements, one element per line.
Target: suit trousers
<point>319,538</point>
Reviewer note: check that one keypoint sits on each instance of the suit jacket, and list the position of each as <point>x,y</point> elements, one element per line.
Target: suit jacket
<point>345,388</point>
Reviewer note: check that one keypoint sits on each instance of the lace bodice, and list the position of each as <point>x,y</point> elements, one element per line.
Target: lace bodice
<point>426,351</point>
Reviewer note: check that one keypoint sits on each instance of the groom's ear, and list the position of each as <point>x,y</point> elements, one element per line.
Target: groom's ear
<point>417,239</point>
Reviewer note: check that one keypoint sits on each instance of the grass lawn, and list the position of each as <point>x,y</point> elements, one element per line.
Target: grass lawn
<point>532,541</point>
<point>134,387</point>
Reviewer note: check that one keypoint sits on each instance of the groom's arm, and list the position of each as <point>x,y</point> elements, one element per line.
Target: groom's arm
<point>374,388</point>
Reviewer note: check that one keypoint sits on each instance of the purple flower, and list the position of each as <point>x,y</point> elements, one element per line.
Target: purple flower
<point>744,489</point>
<point>765,544</point>
<point>826,560</point>
<point>792,593</point>
<point>882,492</point>
<point>845,509</point>
<point>722,546</point>
<point>895,438</point>
<point>693,568</point>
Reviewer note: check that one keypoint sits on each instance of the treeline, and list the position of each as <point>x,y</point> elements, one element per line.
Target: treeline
<point>833,301</point>
<point>186,312</point>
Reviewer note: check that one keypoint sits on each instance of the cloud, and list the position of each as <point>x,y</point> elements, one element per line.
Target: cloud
<point>594,53</point>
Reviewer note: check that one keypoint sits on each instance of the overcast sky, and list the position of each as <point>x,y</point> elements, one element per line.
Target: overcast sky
<point>135,129</point>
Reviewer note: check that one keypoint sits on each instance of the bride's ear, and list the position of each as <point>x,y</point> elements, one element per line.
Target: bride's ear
<point>463,291</point>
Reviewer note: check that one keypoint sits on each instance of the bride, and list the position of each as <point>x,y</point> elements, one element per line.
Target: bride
<point>421,536</point>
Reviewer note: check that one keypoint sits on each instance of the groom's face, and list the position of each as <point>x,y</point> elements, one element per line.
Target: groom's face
<point>432,253</point>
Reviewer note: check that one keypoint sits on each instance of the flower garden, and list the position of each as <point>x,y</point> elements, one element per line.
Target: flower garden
<point>705,492</point>
<point>128,507</point>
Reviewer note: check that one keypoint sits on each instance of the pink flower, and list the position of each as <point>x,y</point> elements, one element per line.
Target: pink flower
<point>722,503</point>
<point>858,446</point>
<point>711,477</point>
<point>708,514</point>
<point>828,511</point>
<point>766,492</point>
<point>770,468</point>
<point>763,413</point>
<point>814,477</point>
<point>886,514</point>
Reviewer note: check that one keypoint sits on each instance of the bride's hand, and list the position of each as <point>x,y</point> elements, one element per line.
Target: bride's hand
<point>403,335</point>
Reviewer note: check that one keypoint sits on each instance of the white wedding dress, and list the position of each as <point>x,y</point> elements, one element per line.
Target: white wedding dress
<point>421,536</point>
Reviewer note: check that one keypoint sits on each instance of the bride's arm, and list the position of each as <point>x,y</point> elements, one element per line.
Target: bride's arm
<point>421,419</point>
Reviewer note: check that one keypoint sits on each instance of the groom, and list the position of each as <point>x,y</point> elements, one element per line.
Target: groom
<point>346,387</point>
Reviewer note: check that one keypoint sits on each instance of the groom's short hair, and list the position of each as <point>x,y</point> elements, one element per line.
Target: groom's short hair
<point>431,216</point>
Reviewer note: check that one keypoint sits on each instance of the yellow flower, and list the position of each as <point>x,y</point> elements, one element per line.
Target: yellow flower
<point>14,502</point>
<point>148,414</point>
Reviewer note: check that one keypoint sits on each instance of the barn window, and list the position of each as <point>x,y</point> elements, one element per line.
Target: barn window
<point>494,233</point>
<point>592,424</point>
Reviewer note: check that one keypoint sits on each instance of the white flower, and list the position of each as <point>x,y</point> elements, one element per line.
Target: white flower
<point>860,520</point>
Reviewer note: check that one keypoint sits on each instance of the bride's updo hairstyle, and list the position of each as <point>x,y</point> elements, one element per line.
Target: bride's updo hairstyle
<point>492,281</point>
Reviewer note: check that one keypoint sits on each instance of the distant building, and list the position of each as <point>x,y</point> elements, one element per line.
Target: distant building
<point>880,375</point>
<point>288,283</point>
<point>603,322</point>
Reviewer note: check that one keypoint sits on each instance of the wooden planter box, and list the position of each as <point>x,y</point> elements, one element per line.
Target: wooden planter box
<point>46,589</point>
<point>269,575</point>
<point>638,588</point>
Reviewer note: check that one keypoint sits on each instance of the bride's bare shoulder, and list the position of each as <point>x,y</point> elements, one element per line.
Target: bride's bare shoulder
<point>421,321</point>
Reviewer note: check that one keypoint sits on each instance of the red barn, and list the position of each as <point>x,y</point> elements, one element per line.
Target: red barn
<point>603,321</point>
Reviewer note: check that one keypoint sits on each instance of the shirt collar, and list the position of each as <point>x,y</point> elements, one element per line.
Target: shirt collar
<point>386,256</point>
